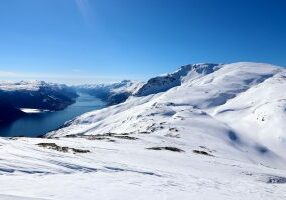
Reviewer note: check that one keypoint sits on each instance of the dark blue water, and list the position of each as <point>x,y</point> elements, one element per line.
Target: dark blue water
<point>37,124</point>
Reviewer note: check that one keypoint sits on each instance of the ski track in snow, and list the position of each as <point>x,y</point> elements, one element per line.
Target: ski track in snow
<point>217,134</point>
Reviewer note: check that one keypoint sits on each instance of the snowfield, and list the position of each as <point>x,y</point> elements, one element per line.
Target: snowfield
<point>205,132</point>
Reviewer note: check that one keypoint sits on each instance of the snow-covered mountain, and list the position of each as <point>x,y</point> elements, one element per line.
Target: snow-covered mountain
<point>234,97</point>
<point>210,132</point>
<point>112,93</point>
<point>28,85</point>
<point>35,95</point>
<point>165,82</point>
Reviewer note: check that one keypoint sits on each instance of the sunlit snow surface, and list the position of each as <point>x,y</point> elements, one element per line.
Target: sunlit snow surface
<point>32,110</point>
<point>26,85</point>
<point>229,126</point>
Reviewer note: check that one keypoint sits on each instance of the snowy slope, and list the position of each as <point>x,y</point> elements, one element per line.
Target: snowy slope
<point>125,168</point>
<point>168,81</point>
<point>214,135</point>
<point>259,113</point>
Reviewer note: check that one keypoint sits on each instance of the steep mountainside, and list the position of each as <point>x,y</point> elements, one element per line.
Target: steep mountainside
<point>194,106</point>
<point>168,81</point>
<point>37,94</point>
<point>209,132</point>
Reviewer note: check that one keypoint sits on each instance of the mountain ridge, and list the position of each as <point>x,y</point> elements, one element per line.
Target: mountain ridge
<point>219,135</point>
<point>202,93</point>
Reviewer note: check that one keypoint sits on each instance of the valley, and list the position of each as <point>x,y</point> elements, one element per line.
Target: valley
<point>36,123</point>
<point>205,131</point>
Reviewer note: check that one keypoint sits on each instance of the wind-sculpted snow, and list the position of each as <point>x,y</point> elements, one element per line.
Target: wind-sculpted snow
<point>218,134</point>
<point>260,113</point>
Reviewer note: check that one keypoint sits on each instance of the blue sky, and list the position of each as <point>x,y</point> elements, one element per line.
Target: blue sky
<point>81,41</point>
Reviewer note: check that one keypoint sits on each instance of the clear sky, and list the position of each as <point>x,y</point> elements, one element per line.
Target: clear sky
<point>80,41</point>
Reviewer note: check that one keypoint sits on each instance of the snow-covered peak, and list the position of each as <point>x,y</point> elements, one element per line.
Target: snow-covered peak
<point>185,73</point>
<point>33,85</point>
<point>230,119</point>
<point>201,92</point>
<point>37,94</point>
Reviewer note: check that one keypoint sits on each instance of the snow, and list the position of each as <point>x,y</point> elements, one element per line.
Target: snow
<point>112,93</point>
<point>32,110</point>
<point>114,88</point>
<point>27,85</point>
<point>214,135</point>
<point>165,82</point>
<point>12,197</point>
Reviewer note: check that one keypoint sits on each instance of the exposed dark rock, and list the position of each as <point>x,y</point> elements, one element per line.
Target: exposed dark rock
<point>106,136</point>
<point>80,150</point>
<point>202,152</point>
<point>174,149</point>
<point>126,137</point>
<point>173,129</point>
<point>276,180</point>
<point>56,147</point>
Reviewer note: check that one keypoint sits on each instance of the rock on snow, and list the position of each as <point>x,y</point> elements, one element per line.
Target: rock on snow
<point>206,131</point>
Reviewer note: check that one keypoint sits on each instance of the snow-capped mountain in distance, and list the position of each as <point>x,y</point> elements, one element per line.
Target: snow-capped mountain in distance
<point>112,93</point>
<point>36,95</point>
<point>33,85</point>
<point>212,132</point>
<point>205,94</point>
<point>115,93</point>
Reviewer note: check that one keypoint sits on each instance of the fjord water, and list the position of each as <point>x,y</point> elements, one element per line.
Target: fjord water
<point>37,124</point>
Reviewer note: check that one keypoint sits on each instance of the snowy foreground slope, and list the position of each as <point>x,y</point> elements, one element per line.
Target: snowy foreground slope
<point>218,133</point>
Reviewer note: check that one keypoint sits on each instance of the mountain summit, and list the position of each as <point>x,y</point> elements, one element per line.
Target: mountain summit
<point>207,131</point>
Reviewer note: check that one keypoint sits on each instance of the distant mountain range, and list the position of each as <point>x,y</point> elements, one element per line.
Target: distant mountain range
<point>240,104</point>
<point>205,131</point>
<point>112,93</point>
<point>33,94</point>
<point>115,93</point>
